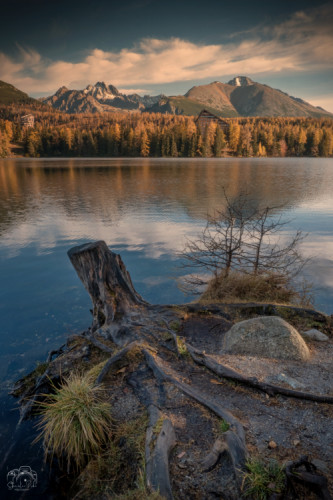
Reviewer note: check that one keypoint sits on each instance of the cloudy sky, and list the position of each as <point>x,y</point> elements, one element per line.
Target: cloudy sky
<point>150,46</point>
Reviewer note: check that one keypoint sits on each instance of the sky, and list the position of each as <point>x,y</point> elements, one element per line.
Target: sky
<point>153,47</point>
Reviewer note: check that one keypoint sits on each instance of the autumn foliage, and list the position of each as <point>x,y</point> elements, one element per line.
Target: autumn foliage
<point>160,135</point>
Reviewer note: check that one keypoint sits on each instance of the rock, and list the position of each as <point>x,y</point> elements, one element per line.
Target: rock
<point>267,337</point>
<point>282,377</point>
<point>272,445</point>
<point>320,465</point>
<point>314,334</point>
<point>296,442</point>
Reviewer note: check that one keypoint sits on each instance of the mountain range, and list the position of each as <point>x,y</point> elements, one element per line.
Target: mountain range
<point>241,96</point>
<point>97,99</point>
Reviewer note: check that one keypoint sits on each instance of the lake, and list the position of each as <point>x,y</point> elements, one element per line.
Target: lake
<point>144,209</point>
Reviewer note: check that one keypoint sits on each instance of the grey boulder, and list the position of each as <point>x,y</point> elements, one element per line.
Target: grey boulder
<point>266,337</point>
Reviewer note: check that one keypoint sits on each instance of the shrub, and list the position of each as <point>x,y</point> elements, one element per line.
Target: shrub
<point>268,287</point>
<point>75,421</point>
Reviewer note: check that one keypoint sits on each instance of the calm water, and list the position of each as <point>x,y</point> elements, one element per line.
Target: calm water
<point>143,209</point>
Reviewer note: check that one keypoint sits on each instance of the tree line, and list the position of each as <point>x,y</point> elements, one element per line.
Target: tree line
<point>161,135</point>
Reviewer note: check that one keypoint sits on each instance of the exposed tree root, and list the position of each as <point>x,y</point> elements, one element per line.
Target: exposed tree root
<point>234,437</point>
<point>211,460</point>
<point>55,353</point>
<point>308,477</point>
<point>114,359</point>
<point>157,459</point>
<point>160,439</point>
<point>227,372</point>
<point>97,343</point>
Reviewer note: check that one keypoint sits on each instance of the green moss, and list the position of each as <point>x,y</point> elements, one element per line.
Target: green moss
<point>175,326</point>
<point>95,370</point>
<point>156,431</point>
<point>181,346</point>
<point>40,368</point>
<point>224,426</point>
<point>28,381</point>
<point>158,426</point>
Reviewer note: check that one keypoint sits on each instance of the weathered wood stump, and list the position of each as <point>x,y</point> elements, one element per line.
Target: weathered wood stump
<point>185,390</point>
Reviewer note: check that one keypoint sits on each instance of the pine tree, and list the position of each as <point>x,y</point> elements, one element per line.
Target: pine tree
<point>234,134</point>
<point>174,150</point>
<point>219,143</point>
<point>144,149</point>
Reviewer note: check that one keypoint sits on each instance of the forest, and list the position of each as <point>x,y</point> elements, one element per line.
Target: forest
<point>116,134</point>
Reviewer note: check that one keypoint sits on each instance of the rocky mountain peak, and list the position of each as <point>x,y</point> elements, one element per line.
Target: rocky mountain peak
<point>102,91</point>
<point>62,90</point>
<point>241,81</point>
<point>101,85</point>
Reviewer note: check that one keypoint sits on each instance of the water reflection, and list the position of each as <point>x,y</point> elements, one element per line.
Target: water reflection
<point>149,205</point>
<point>107,188</point>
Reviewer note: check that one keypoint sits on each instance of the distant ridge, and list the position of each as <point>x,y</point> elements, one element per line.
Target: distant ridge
<point>11,95</point>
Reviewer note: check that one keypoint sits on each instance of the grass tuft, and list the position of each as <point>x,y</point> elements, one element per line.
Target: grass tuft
<point>75,420</point>
<point>262,480</point>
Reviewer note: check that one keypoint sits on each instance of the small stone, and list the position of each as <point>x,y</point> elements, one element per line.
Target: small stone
<point>296,442</point>
<point>315,334</point>
<point>272,444</point>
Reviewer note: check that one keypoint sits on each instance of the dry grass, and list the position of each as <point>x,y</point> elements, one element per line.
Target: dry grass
<point>118,472</point>
<point>75,420</point>
<point>241,287</point>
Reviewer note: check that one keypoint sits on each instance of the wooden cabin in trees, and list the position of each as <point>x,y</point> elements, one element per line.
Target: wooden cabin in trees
<point>28,121</point>
<point>205,118</point>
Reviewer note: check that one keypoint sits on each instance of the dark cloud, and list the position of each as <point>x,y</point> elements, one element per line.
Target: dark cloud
<point>62,29</point>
